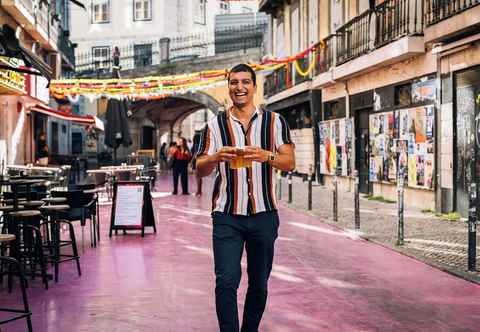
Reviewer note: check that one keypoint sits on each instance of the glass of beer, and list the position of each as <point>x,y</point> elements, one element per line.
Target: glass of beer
<point>239,161</point>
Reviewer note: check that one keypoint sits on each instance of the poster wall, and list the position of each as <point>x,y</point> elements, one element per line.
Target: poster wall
<point>335,144</point>
<point>403,141</point>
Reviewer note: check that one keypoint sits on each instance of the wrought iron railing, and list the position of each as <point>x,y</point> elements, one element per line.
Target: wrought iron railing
<point>391,20</point>
<point>303,64</point>
<point>277,81</point>
<point>353,38</point>
<point>397,18</point>
<point>438,10</point>
<point>324,55</point>
<point>167,50</point>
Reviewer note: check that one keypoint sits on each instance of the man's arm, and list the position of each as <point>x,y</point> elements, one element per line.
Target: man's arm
<point>207,163</point>
<point>284,158</point>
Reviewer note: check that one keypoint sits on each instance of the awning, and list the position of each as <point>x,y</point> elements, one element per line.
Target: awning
<point>86,120</point>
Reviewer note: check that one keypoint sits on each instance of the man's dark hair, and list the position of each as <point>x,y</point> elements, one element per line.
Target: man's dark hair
<point>242,68</point>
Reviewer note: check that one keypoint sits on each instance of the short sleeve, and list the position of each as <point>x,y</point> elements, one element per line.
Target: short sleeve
<point>282,131</point>
<point>207,144</point>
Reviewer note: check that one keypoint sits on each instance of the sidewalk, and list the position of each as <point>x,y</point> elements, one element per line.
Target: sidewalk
<point>437,242</point>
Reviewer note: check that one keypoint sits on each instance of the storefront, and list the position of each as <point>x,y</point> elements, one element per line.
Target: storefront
<point>301,113</point>
<point>15,143</point>
<point>335,139</point>
<point>402,139</point>
<point>466,131</point>
<point>390,130</point>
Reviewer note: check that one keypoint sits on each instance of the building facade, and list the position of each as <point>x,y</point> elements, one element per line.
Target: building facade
<point>151,37</point>
<point>41,31</point>
<point>398,82</point>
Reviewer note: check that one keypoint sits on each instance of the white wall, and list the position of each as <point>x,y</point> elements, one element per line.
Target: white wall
<point>169,18</point>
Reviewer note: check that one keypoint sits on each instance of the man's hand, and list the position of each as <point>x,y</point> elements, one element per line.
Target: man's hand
<point>226,153</point>
<point>207,163</point>
<point>255,153</point>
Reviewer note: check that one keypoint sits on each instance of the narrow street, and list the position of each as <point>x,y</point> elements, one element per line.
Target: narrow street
<point>323,279</point>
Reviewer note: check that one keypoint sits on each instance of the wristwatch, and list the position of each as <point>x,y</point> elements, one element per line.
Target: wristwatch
<point>272,156</point>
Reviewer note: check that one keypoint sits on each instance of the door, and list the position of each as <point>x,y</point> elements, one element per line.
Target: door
<point>362,149</point>
<point>466,136</point>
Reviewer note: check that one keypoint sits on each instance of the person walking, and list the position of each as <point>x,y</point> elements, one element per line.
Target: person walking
<point>181,157</point>
<point>244,205</point>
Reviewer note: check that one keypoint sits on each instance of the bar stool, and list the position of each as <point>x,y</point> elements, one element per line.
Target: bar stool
<point>14,268</point>
<point>28,249</point>
<point>54,200</point>
<point>53,220</point>
<point>33,204</point>
<point>6,241</point>
<point>5,210</point>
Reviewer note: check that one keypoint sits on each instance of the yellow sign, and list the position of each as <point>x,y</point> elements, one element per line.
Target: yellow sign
<point>11,82</point>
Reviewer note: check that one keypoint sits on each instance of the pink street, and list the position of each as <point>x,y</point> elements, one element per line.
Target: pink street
<point>322,280</point>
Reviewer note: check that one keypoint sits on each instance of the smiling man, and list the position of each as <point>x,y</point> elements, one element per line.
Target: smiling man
<point>244,144</point>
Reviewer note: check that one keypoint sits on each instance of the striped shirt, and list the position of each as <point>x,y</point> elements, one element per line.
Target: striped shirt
<point>244,191</point>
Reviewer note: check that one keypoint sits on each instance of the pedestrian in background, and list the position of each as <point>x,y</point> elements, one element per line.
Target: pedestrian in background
<point>244,144</point>
<point>163,156</point>
<point>181,156</point>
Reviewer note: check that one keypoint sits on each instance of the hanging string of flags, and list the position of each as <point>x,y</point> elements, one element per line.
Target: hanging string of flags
<point>157,87</point>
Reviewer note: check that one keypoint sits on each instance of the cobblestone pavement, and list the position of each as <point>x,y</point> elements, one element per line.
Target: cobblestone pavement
<point>437,242</point>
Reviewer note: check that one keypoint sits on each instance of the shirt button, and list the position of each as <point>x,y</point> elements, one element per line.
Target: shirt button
<point>249,194</point>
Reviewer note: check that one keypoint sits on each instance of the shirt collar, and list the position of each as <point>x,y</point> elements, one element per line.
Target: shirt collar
<point>258,111</point>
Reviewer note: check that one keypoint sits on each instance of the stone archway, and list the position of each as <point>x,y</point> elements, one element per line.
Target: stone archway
<point>168,113</point>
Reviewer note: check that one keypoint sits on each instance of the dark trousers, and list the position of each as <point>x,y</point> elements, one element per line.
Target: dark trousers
<point>231,233</point>
<point>180,169</point>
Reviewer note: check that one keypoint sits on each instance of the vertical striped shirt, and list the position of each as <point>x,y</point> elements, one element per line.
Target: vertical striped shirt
<point>244,191</point>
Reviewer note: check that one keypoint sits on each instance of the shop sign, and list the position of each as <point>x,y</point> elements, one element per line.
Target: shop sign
<point>11,81</point>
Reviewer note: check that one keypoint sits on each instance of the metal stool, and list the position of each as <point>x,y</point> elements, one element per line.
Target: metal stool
<point>53,221</point>
<point>15,268</point>
<point>29,244</point>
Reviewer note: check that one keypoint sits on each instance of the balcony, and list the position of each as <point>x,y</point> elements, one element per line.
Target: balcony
<point>390,33</point>
<point>450,19</point>
<point>34,20</point>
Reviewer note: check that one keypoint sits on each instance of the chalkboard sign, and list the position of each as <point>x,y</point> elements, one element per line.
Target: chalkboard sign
<point>132,207</point>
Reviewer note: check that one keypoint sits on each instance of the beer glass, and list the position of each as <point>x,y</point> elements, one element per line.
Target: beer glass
<point>239,161</point>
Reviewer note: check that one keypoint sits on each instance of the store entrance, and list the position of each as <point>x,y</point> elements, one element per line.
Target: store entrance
<point>362,149</point>
<point>467,123</point>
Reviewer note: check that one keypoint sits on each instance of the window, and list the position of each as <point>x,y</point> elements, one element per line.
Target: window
<point>100,11</point>
<point>403,95</point>
<point>200,11</point>
<point>224,7</point>
<point>101,57</point>
<point>142,55</point>
<point>142,10</point>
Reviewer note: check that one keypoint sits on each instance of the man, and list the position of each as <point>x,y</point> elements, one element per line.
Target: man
<point>244,205</point>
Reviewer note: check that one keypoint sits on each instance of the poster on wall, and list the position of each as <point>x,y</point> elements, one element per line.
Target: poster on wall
<point>403,140</point>
<point>335,147</point>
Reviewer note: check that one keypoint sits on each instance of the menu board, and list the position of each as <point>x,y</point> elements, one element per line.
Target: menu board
<point>129,205</point>
<point>132,207</point>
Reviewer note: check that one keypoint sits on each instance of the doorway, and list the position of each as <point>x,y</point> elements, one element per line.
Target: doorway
<point>362,151</point>
<point>467,143</point>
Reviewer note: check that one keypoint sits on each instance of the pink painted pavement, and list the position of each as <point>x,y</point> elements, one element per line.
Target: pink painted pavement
<point>323,280</point>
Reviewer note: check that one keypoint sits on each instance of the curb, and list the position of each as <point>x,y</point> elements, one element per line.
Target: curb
<point>452,271</point>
